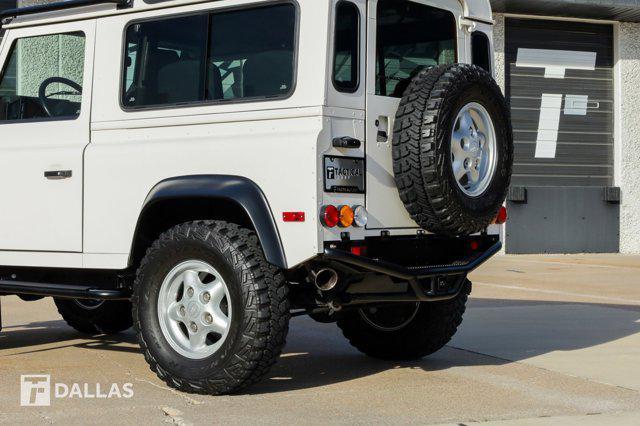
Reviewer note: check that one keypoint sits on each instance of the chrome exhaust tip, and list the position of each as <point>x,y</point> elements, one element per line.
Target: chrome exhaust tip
<point>325,279</point>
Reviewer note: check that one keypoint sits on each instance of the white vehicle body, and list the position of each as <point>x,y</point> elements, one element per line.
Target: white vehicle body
<point>118,155</point>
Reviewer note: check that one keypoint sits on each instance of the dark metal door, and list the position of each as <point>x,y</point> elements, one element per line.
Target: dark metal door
<point>559,79</point>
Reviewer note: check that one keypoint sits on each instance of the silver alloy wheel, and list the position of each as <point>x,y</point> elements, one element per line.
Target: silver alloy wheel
<point>473,149</point>
<point>194,309</point>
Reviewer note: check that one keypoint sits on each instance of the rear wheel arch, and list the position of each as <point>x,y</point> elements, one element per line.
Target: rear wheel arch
<point>182,199</point>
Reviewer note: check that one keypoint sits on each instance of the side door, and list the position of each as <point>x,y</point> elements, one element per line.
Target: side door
<point>45,92</point>
<point>402,39</point>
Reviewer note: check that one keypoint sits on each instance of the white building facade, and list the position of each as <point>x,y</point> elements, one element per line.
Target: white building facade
<point>573,82</point>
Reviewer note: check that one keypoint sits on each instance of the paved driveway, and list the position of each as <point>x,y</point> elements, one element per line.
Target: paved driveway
<point>545,340</point>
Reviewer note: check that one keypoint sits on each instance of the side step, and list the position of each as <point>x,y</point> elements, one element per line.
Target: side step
<point>66,291</point>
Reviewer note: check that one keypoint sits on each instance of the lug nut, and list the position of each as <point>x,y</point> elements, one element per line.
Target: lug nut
<point>190,292</point>
<point>194,327</point>
<point>183,311</point>
<point>208,318</point>
<point>206,297</point>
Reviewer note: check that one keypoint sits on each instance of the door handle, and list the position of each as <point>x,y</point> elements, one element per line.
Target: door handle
<point>346,142</point>
<point>58,174</point>
<point>382,123</point>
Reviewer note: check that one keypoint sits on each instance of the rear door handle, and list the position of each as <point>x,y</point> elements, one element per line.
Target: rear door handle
<point>382,123</point>
<point>58,174</point>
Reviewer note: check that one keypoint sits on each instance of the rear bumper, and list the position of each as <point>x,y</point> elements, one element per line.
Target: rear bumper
<point>434,266</point>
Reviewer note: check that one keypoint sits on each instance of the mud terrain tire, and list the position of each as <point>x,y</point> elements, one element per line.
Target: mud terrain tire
<point>258,297</point>
<point>424,331</point>
<point>423,152</point>
<point>96,317</point>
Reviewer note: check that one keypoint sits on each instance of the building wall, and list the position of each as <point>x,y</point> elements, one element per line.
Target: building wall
<point>628,135</point>
<point>56,56</point>
<point>498,45</point>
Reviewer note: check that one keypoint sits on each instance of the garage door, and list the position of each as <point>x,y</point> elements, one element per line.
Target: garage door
<point>560,84</point>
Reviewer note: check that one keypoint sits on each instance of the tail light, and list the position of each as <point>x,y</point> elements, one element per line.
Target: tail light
<point>330,216</point>
<point>501,217</point>
<point>360,216</point>
<point>344,216</point>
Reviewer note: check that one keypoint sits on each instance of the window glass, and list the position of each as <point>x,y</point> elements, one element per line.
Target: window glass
<point>205,58</point>
<point>257,61</point>
<point>43,78</point>
<point>480,50</point>
<point>346,54</point>
<point>410,37</point>
<point>165,61</point>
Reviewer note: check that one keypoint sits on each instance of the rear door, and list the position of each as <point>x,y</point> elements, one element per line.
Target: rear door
<point>44,127</point>
<point>403,38</point>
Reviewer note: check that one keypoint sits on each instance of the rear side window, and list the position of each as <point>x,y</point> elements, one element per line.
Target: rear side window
<point>221,56</point>
<point>410,37</point>
<point>481,50</point>
<point>346,64</point>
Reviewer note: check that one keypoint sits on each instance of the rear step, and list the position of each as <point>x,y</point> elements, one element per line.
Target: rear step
<point>66,291</point>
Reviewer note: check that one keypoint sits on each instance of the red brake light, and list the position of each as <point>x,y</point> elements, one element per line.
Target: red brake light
<point>501,217</point>
<point>330,216</point>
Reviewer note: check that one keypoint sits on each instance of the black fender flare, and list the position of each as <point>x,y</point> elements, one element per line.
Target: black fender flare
<point>235,189</point>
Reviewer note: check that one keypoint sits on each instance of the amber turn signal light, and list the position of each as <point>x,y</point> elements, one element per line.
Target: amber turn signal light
<point>346,216</point>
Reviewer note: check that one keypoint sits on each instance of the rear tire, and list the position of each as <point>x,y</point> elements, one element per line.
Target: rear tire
<point>96,316</point>
<point>254,310</point>
<point>407,331</point>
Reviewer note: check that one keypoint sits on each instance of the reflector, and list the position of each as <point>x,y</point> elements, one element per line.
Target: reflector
<point>293,216</point>
<point>501,217</point>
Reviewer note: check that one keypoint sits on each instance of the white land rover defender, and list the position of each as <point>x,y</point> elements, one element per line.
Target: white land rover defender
<point>204,170</point>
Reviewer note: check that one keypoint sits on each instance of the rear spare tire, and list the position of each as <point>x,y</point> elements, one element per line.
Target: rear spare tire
<point>453,149</point>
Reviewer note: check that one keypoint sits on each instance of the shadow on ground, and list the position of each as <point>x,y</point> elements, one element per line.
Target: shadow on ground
<point>55,335</point>
<point>318,355</point>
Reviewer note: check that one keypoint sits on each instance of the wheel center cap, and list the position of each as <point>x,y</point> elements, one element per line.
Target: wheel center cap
<point>193,309</point>
<point>475,148</point>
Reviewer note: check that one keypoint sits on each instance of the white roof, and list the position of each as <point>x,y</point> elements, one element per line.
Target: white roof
<point>474,9</point>
<point>478,9</point>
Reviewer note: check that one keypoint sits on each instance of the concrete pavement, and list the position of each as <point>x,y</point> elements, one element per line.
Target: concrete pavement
<point>545,340</point>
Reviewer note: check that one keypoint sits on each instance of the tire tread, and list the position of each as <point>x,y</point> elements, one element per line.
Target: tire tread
<point>266,308</point>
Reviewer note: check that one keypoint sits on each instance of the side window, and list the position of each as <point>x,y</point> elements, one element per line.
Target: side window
<point>346,63</point>
<point>481,50</point>
<point>165,61</point>
<point>42,78</point>
<point>410,37</point>
<point>204,57</point>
